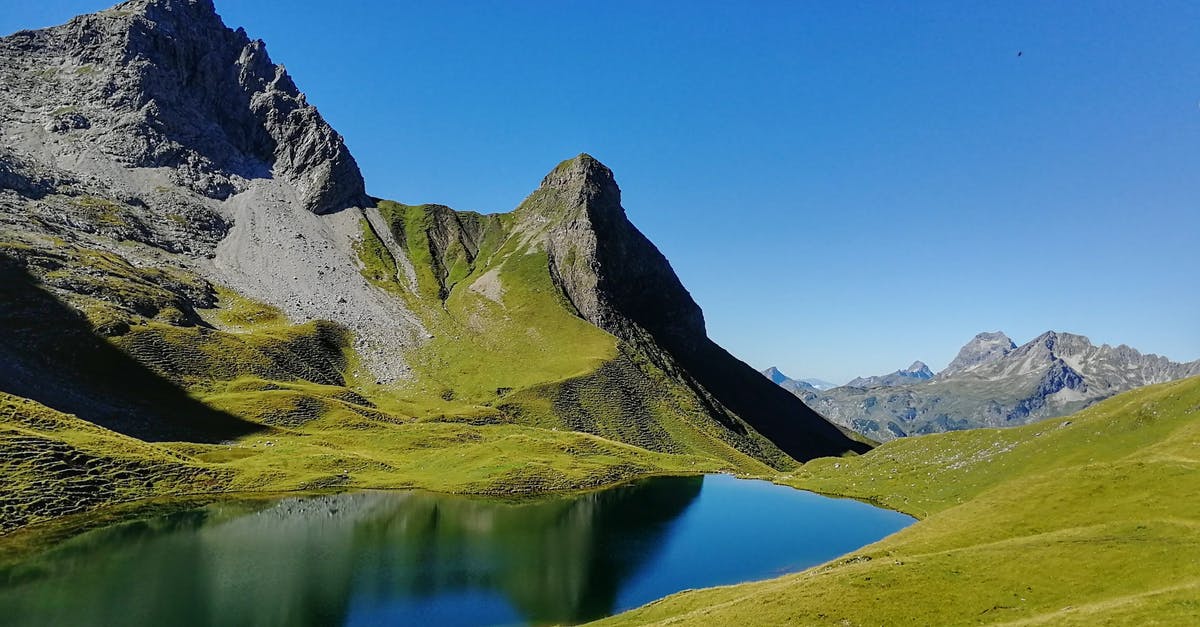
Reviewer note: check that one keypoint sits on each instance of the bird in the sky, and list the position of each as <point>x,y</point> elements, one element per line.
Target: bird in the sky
<point>1019,53</point>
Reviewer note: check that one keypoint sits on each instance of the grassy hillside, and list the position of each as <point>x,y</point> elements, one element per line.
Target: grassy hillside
<point>123,380</point>
<point>53,464</point>
<point>506,347</point>
<point>1085,520</point>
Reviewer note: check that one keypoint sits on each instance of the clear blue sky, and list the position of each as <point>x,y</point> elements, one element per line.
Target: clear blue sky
<point>843,186</point>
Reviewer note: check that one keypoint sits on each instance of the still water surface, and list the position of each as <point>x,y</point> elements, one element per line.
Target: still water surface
<point>415,558</point>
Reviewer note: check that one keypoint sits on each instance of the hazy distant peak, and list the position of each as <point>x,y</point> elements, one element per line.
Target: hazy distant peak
<point>775,375</point>
<point>918,372</point>
<point>918,367</point>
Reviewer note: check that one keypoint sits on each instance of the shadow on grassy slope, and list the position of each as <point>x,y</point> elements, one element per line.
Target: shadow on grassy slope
<point>51,354</point>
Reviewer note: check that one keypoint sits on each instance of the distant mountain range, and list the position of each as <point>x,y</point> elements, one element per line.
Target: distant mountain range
<point>915,373</point>
<point>992,382</point>
<point>789,383</point>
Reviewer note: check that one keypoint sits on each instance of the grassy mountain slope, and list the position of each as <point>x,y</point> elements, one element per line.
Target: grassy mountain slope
<point>142,388</point>
<point>164,383</point>
<point>1085,520</point>
<point>54,464</point>
<point>507,347</point>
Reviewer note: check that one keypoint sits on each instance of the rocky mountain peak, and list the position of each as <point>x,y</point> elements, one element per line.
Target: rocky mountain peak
<point>920,369</point>
<point>982,349</point>
<point>165,84</point>
<point>582,182</point>
<point>582,169</point>
<point>775,375</point>
<point>615,277</point>
<point>170,12</point>
<point>918,372</point>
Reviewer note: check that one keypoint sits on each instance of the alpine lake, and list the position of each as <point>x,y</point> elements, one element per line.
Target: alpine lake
<point>419,558</point>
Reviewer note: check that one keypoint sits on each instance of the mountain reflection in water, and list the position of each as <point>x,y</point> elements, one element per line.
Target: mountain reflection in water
<point>307,561</point>
<point>416,558</point>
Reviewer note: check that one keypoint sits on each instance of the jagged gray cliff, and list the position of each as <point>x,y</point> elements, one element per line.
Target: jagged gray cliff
<point>981,350</point>
<point>165,84</point>
<point>992,382</point>
<point>618,280</point>
<point>152,122</point>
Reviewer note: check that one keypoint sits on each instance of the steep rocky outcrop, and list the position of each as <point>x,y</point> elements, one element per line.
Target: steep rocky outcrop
<point>981,350</point>
<point>165,84</point>
<point>618,280</point>
<point>153,123</point>
<point>994,383</point>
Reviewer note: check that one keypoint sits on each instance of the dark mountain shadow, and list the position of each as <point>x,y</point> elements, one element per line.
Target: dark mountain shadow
<point>50,354</point>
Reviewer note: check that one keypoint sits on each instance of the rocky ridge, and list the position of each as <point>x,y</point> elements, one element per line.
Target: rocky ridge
<point>165,84</point>
<point>995,383</point>
<point>153,122</point>
<point>915,373</point>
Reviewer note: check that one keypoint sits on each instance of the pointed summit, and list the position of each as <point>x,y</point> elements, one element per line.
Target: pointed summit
<point>576,188</point>
<point>580,169</point>
<point>917,367</point>
<point>982,349</point>
<point>607,269</point>
<point>165,84</point>
<point>916,373</point>
<point>618,280</point>
<point>775,375</point>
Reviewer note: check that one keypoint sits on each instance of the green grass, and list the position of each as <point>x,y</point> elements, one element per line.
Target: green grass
<point>511,393</point>
<point>55,464</point>
<point>483,415</point>
<point>1084,520</point>
<point>507,348</point>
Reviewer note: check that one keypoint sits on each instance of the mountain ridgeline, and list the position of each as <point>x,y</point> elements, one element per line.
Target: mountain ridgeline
<point>992,382</point>
<point>175,217</point>
<point>618,280</point>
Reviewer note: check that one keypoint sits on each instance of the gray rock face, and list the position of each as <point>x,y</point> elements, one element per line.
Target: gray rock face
<point>995,384</point>
<point>165,84</point>
<point>26,180</point>
<point>618,280</point>
<point>612,274</point>
<point>982,349</point>
<point>152,123</point>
